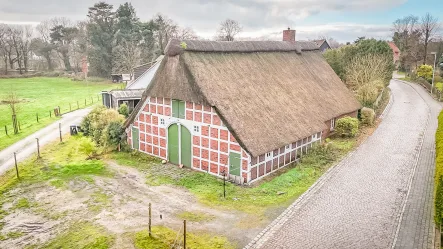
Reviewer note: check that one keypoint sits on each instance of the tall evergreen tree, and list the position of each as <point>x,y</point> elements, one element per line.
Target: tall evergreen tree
<point>101,32</point>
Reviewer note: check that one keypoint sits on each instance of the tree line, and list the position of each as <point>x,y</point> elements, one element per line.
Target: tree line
<point>416,37</point>
<point>112,40</point>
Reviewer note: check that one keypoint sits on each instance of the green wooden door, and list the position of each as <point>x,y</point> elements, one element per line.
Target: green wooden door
<point>178,109</point>
<point>173,144</point>
<point>234,163</point>
<point>186,150</point>
<point>135,138</point>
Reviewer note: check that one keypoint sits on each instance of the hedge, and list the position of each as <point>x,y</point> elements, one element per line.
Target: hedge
<point>367,116</point>
<point>346,127</point>
<point>439,171</point>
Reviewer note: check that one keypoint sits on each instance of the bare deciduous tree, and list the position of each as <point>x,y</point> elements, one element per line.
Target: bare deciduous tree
<point>12,101</point>
<point>228,30</point>
<point>127,56</point>
<point>428,27</point>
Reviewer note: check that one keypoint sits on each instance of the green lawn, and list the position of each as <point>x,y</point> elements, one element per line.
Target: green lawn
<point>278,191</point>
<point>41,95</point>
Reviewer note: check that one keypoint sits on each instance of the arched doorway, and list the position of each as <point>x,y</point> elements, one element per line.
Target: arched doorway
<point>179,145</point>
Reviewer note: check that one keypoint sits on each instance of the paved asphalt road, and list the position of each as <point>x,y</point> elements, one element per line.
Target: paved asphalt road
<point>27,146</point>
<point>380,196</point>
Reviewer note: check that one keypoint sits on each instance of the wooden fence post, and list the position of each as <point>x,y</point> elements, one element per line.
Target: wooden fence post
<point>19,127</point>
<point>6,130</point>
<point>70,109</point>
<point>50,114</point>
<point>37,117</point>
<point>184,234</point>
<point>16,167</point>
<point>60,129</point>
<point>150,234</point>
<point>38,149</point>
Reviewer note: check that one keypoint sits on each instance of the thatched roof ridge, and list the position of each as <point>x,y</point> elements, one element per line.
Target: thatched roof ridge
<point>266,99</point>
<point>176,47</point>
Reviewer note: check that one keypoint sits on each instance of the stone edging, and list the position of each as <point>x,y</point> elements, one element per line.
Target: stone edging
<point>262,237</point>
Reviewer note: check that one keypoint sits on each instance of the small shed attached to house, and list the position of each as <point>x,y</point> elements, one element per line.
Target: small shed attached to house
<point>133,91</point>
<point>245,108</point>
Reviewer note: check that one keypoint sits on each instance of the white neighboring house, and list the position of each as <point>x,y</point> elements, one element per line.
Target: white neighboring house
<point>132,94</point>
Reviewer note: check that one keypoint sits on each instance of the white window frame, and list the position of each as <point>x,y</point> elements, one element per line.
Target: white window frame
<point>287,147</point>
<point>197,128</point>
<point>332,124</point>
<point>268,156</point>
<point>162,121</point>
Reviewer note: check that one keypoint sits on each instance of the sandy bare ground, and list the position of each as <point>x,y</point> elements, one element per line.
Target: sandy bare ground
<point>124,210</point>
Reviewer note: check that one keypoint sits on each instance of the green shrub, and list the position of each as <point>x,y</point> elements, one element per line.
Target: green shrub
<point>113,134</point>
<point>88,147</point>
<point>367,116</point>
<point>96,123</point>
<point>124,110</point>
<point>439,172</point>
<point>425,71</point>
<point>347,127</point>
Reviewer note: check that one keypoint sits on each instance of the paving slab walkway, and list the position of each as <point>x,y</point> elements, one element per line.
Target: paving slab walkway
<point>28,145</point>
<point>380,196</point>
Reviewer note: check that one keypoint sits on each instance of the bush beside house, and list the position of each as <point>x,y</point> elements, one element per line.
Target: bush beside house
<point>367,116</point>
<point>439,172</point>
<point>347,127</point>
<point>104,126</point>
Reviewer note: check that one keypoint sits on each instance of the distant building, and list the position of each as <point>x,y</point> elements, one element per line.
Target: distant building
<point>396,53</point>
<point>132,94</point>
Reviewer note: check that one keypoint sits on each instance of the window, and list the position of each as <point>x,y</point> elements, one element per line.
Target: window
<point>314,137</point>
<point>288,146</point>
<point>178,108</point>
<point>196,128</point>
<point>162,121</point>
<point>332,124</point>
<point>268,156</point>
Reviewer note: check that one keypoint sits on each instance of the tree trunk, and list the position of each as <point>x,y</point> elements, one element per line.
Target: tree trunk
<point>14,123</point>
<point>11,61</point>
<point>25,62</point>
<point>425,53</point>
<point>66,61</point>
<point>6,64</point>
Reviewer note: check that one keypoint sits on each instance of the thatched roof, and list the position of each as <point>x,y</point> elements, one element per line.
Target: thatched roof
<point>267,96</point>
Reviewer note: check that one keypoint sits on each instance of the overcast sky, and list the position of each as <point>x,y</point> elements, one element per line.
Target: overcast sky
<point>343,20</point>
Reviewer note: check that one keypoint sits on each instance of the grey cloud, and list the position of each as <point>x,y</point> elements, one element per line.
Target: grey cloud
<point>201,15</point>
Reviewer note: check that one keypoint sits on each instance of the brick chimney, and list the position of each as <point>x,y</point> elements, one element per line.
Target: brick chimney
<point>289,35</point>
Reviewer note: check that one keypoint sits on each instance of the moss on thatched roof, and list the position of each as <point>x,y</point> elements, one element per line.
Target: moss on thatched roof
<point>268,99</point>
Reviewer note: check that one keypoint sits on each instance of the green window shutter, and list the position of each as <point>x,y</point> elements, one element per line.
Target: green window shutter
<point>181,109</point>
<point>234,163</point>
<point>175,107</point>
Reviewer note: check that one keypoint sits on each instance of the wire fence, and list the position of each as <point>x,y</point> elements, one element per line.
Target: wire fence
<point>7,130</point>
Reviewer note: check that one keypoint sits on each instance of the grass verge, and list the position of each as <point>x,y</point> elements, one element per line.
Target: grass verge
<point>277,191</point>
<point>165,238</point>
<point>83,235</point>
<point>40,95</point>
<point>438,184</point>
<point>59,164</point>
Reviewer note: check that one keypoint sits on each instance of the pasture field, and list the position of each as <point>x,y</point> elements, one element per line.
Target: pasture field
<point>40,96</point>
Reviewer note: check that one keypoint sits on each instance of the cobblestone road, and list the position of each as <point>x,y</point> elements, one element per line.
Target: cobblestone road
<point>361,202</point>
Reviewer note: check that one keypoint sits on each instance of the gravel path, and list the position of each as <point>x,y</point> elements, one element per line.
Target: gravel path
<point>361,202</point>
<point>28,146</point>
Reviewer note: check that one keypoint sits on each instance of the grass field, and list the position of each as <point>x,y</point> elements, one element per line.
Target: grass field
<point>41,95</point>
